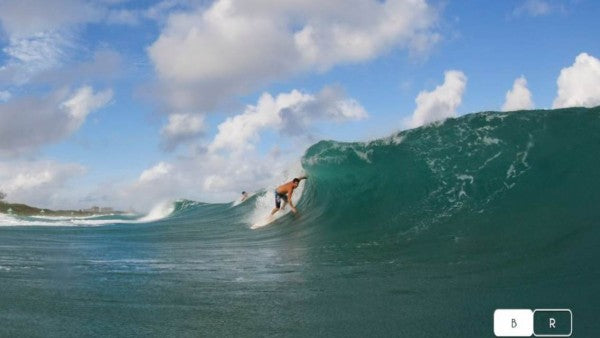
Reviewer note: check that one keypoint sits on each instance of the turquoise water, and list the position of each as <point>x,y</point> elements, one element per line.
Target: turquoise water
<point>424,233</point>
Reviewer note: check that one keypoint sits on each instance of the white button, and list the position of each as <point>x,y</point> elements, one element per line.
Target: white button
<point>513,323</point>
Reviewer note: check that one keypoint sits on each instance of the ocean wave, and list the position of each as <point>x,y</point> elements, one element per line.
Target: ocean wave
<point>465,174</point>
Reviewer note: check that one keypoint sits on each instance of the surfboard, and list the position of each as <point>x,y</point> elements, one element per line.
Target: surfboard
<point>263,221</point>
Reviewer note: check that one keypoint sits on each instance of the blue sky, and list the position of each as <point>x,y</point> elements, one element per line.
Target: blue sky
<point>129,103</point>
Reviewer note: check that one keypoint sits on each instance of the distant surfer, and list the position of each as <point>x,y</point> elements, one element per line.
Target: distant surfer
<point>284,192</point>
<point>244,196</point>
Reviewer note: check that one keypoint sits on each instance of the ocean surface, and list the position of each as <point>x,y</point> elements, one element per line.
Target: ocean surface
<point>421,234</point>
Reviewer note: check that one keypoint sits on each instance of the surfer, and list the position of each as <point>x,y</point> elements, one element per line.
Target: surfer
<point>244,196</point>
<point>284,192</point>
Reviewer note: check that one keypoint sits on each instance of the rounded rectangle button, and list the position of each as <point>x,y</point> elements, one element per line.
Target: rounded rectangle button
<point>513,322</point>
<point>552,322</point>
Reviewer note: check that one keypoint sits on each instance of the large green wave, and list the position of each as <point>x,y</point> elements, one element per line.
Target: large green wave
<point>519,181</point>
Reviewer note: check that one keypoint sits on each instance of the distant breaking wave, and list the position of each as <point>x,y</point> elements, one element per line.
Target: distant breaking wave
<point>160,211</point>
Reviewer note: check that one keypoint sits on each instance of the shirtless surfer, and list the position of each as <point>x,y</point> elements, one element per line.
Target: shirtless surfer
<point>284,192</point>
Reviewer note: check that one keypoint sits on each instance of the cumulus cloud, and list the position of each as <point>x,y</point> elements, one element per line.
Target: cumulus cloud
<point>519,97</point>
<point>181,128</point>
<point>579,84</point>
<point>160,170</point>
<point>232,162</point>
<point>440,103</point>
<point>27,123</point>
<point>290,112</point>
<point>232,47</point>
<point>82,103</point>
<point>207,177</point>
<point>40,183</point>
<point>240,132</point>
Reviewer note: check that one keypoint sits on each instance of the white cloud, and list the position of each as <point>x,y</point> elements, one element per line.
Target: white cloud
<point>207,177</point>
<point>440,103</point>
<point>232,47</point>
<point>27,123</point>
<point>43,36</point>
<point>242,131</point>
<point>25,18</point>
<point>519,97</point>
<point>181,128</point>
<point>533,8</point>
<point>156,172</point>
<point>31,55</point>
<point>231,162</point>
<point>289,112</point>
<point>40,34</point>
<point>39,183</point>
<point>103,64</point>
<point>84,102</point>
<point>37,48</point>
<point>579,84</point>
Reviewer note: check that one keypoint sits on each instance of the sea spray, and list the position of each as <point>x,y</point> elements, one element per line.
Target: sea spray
<point>159,211</point>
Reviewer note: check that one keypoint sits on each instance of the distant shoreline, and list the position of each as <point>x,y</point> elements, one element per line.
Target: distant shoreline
<point>26,210</point>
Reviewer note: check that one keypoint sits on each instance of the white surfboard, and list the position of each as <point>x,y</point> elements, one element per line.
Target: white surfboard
<point>263,221</point>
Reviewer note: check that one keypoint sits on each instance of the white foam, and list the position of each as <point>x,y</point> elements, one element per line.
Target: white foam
<point>10,220</point>
<point>363,155</point>
<point>465,177</point>
<point>394,139</point>
<point>492,116</point>
<point>490,140</point>
<point>337,158</point>
<point>61,218</point>
<point>489,160</point>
